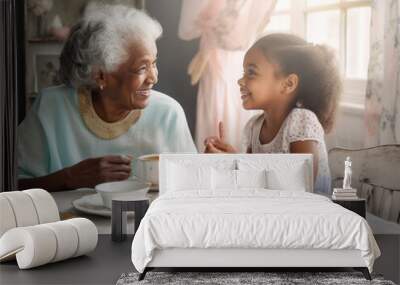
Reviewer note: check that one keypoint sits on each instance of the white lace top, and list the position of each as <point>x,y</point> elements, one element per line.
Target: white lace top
<point>300,125</point>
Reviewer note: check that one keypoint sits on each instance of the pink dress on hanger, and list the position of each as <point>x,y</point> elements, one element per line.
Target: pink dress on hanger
<point>227,28</point>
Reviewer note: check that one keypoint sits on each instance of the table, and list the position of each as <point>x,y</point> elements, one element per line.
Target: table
<point>64,202</point>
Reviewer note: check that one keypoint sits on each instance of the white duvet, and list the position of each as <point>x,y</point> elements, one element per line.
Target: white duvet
<point>250,219</point>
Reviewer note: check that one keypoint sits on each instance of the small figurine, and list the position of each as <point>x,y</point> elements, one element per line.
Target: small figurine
<point>347,174</point>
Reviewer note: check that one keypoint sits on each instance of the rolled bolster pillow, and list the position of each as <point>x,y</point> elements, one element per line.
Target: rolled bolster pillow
<point>67,240</point>
<point>87,235</point>
<point>33,246</point>
<point>7,217</point>
<point>23,208</point>
<point>46,207</point>
<point>40,244</point>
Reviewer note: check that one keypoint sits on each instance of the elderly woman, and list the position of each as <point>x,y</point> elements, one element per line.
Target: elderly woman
<point>86,131</point>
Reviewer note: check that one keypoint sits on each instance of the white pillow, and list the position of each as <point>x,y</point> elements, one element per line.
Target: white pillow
<point>224,179</point>
<point>251,178</point>
<point>228,179</point>
<point>188,177</point>
<point>292,178</point>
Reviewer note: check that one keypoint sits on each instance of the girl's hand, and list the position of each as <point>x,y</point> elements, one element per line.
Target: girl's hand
<point>217,144</point>
<point>92,171</point>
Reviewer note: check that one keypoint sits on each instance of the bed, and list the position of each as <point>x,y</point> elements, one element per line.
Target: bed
<point>247,210</point>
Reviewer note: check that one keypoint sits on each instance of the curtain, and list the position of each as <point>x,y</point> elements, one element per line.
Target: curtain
<point>226,29</point>
<point>11,87</point>
<point>383,87</point>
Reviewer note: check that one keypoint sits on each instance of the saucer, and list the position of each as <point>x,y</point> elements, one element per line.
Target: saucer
<point>92,204</point>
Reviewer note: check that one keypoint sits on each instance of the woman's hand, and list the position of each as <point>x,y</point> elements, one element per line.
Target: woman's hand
<point>92,171</point>
<point>217,144</point>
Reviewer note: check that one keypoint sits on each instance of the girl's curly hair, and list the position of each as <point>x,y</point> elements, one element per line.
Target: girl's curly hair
<point>319,85</point>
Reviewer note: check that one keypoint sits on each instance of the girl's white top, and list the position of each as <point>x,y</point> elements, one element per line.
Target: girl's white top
<point>300,125</point>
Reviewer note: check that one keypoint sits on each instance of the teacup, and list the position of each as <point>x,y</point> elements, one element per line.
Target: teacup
<point>147,168</point>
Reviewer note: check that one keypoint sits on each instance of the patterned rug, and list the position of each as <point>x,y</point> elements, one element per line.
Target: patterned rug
<point>269,278</point>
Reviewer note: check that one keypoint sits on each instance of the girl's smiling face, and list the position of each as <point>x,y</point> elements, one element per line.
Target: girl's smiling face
<point>261,84</point>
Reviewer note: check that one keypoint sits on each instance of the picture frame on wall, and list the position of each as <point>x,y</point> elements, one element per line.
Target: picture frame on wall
<point>46,68</point>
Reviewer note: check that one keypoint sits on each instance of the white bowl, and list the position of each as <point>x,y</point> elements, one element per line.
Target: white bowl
<point>127,189</point>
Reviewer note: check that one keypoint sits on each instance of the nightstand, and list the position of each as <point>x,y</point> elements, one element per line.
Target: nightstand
<point>356,205</point>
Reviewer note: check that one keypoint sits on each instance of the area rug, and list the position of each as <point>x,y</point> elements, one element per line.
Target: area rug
<point>269,278</point>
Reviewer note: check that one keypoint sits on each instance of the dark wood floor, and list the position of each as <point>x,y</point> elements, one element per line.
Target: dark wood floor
<point>110,259</point>
<point>102,266</point>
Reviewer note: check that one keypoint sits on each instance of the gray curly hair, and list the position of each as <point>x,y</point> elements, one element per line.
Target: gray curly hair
<point>101,39</point>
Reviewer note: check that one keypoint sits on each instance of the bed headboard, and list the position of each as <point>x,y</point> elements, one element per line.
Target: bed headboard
<point>235,161</point>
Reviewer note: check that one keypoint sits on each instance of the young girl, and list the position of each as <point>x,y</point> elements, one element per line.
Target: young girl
<point>297,85</point>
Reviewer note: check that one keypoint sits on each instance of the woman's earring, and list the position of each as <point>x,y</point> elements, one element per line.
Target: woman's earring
<point>298,104</point>
<point>101,86</point>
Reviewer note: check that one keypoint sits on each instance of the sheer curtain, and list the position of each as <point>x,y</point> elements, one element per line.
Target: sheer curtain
<point>383,88</point>
<point>11,86</point>
<point>226,29</point>
<point>382,106</point>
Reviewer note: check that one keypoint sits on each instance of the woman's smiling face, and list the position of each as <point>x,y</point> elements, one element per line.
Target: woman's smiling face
<point>261,84</point>
<point>129,86</point>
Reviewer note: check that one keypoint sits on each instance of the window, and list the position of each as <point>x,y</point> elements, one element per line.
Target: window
<point>344,25</point>
<point>280,20</point>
